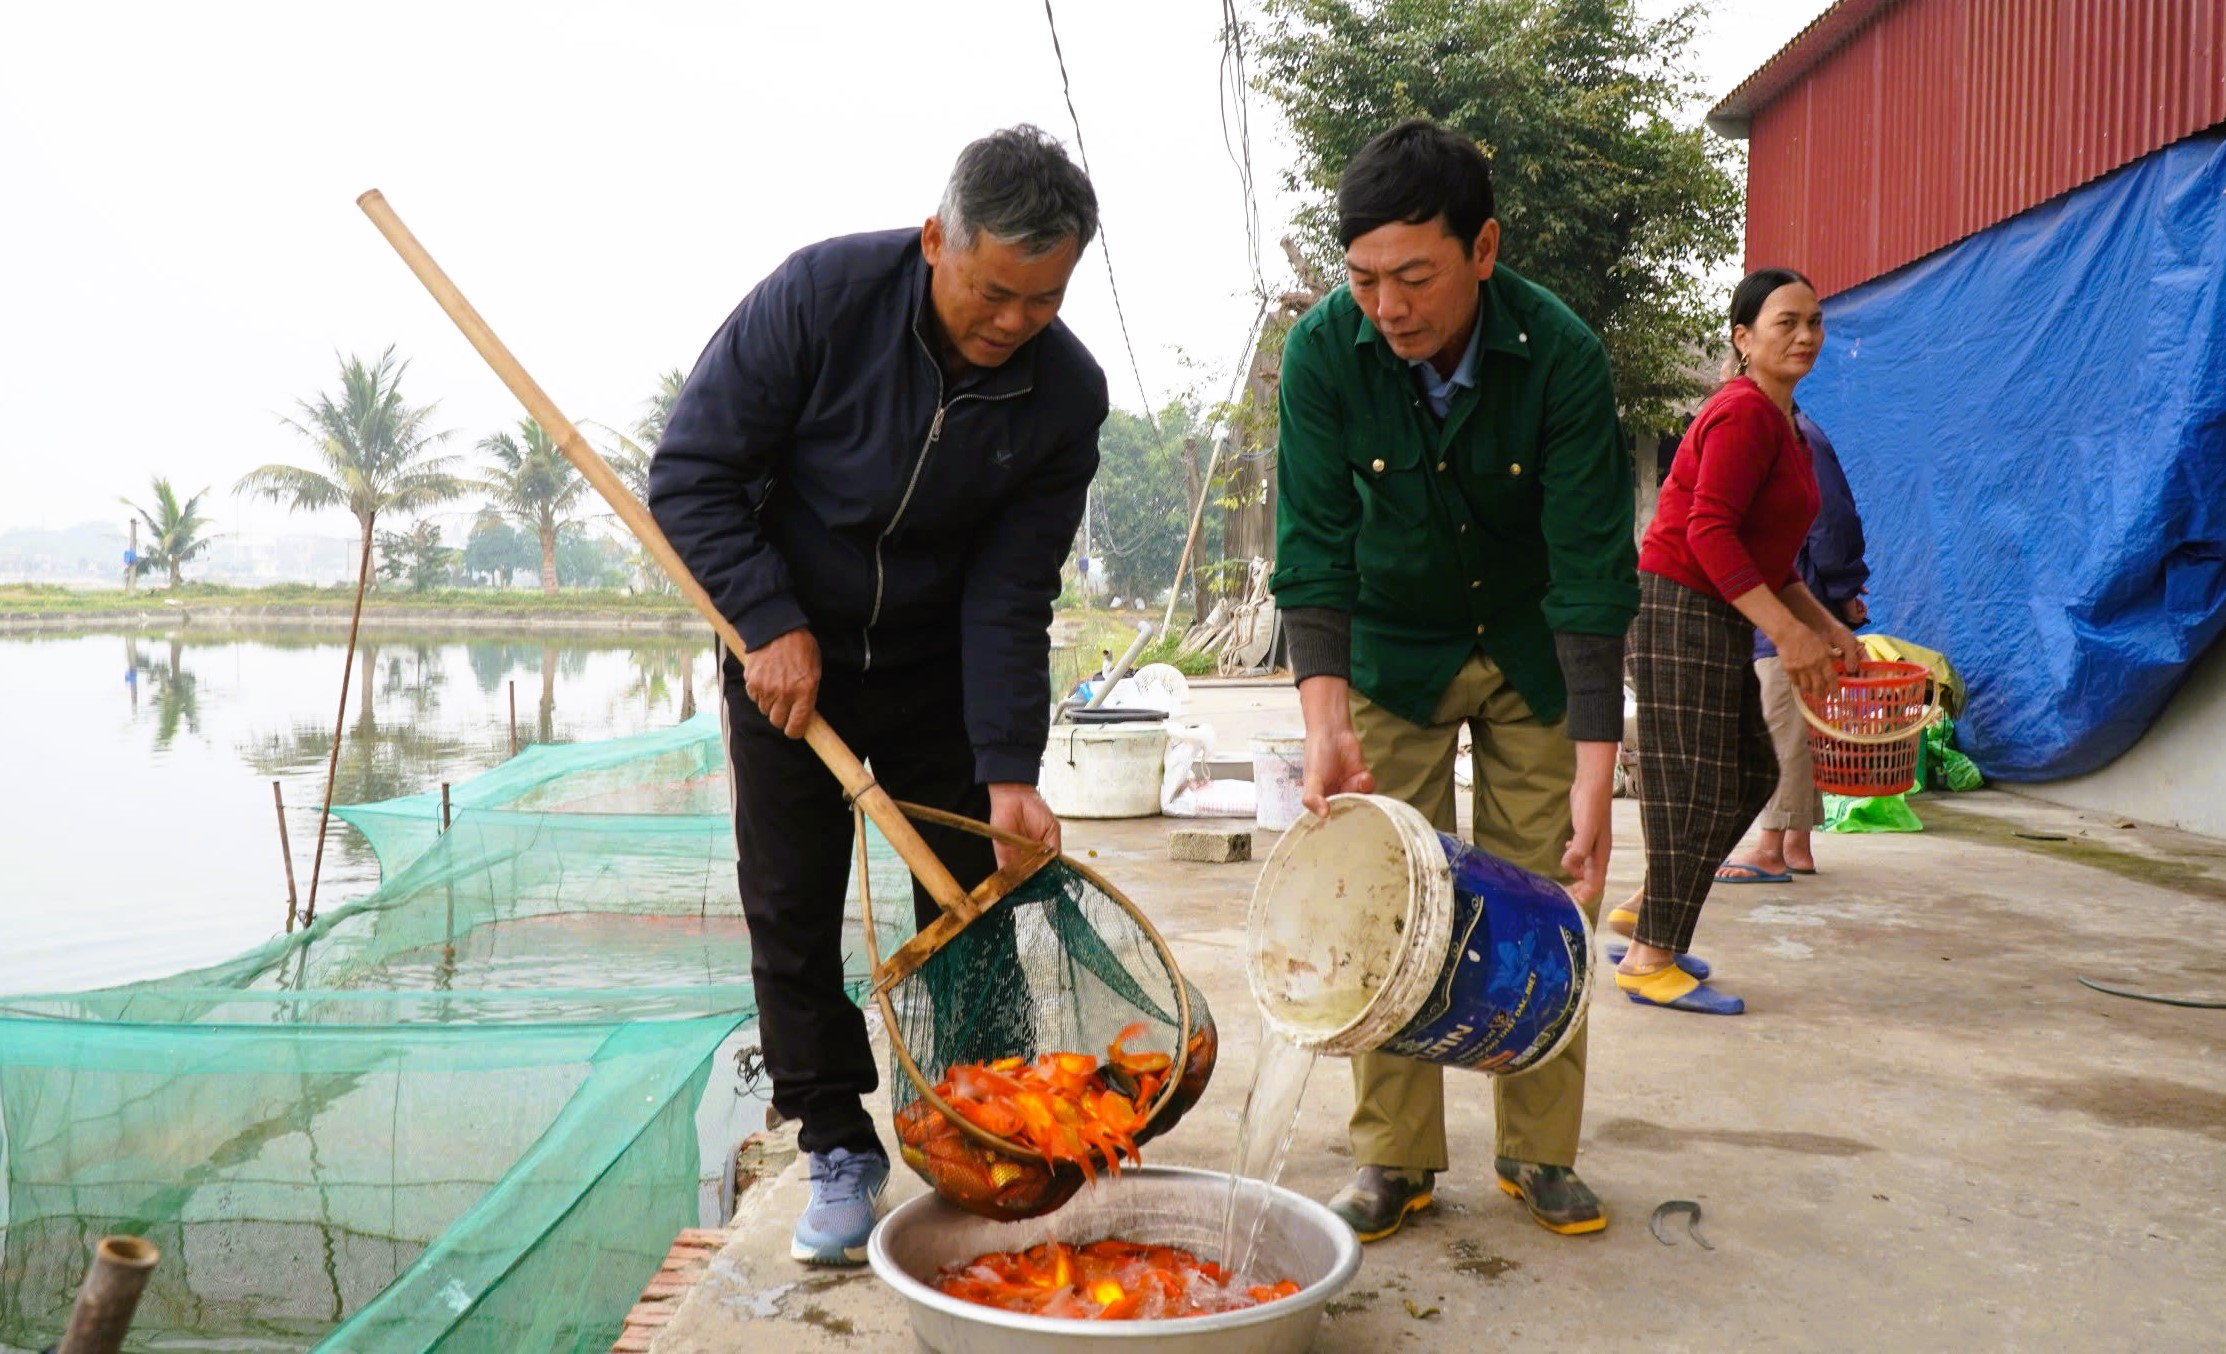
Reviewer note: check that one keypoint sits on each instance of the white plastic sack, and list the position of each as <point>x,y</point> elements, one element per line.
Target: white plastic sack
<point>1188,790</point>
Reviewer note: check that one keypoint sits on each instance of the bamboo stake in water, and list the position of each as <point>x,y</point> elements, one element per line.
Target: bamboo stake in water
<point>332,763</point>
<point>285,849</point>
<point>448,945</point>
<point>102,1317</point>
<point>848,770</point>
<point>513,716</point>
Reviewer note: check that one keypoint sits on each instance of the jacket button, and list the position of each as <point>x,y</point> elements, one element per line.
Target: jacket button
<point>1480,629</point>
<point>1522,338</point>
<point>1377,465</point>
<point>1464,528</point>
<point>1515,469</point>
<point>1475,583</point>
<point>1441,465</point>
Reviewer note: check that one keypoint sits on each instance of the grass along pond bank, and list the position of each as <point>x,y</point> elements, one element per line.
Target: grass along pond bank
<point>37,608</point>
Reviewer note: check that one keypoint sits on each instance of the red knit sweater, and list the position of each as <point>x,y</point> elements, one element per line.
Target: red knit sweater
<point>1739,500</point>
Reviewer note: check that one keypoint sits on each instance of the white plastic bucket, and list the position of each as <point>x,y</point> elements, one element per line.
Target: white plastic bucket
<point>1279,776</point>
<point>1369,930</point>
<point>1104,770</point>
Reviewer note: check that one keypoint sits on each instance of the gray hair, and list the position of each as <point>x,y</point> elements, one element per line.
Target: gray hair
<point>1018,187</point>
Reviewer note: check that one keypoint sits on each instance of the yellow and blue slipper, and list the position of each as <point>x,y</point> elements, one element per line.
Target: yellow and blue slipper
<point>1672,987</point>
<point>1623,921</point>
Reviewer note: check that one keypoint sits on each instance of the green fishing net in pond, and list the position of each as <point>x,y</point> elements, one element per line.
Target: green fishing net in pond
<point>467,1113</point>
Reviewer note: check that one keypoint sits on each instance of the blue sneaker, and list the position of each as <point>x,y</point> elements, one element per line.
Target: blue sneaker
<point>846,1198</point>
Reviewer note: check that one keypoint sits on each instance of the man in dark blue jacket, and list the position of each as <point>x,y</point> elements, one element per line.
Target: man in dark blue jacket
<point>876,470</point>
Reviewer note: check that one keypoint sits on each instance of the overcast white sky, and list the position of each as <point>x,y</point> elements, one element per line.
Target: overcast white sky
<point>181,256</point>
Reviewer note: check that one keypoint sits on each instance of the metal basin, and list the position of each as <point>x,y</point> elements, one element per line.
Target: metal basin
<point>1160,1205</point>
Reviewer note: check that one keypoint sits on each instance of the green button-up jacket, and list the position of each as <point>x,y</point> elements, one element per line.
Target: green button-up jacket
<point>1507,523</point>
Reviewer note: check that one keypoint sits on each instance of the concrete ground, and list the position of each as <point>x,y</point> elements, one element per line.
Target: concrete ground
<point>1925,1133</point>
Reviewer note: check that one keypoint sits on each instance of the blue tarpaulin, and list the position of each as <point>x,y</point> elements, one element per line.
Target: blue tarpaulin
<point>2034,424</point>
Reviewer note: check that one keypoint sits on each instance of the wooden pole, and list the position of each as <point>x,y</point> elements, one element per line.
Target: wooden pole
<point>131,566</point>
<point>293,903</point>
<point>448,943</point>
<point>513,716</point>
<point>849,772</point>
<point>102,1317</point>
<point>332,763</point>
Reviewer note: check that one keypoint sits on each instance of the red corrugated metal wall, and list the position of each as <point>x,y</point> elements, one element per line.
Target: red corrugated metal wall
<point>1943,117</point>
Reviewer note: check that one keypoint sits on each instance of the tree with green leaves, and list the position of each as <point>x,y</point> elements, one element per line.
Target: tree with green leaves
<point>584,560</point>
<point>376,452</point>
<point>495,549</point>
<point>178,533</point>
<point>534,483</point>
<point>377,455</point>
<point>416,556</point>
<point>1140,500</point>
<point>629,456</point>
<point>1604,197</point>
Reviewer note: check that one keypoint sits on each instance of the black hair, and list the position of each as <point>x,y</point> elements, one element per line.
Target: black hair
<point>1755,288</point>
<point>1416,173</point>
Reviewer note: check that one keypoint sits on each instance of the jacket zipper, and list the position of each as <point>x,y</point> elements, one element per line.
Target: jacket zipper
<point>919,467</point>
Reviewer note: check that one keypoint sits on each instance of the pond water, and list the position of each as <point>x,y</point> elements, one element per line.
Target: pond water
<point>137,831</point>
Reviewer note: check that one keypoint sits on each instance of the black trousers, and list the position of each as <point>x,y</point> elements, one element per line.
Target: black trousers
<point>795,837</point>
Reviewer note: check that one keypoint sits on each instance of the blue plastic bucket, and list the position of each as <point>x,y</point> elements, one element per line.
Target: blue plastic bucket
<point>1371,931</point>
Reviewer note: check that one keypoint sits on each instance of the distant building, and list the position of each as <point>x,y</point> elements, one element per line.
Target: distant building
<point>2016,213</point>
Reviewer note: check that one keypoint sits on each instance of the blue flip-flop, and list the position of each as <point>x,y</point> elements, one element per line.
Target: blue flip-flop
<point>1743,873</point>
<point>1691,963</point>
<point>1702,1000</point>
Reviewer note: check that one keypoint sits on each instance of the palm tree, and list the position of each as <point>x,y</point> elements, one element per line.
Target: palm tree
<point>179,531</point>
<point>629,460</point>
<point>535,484</point>
<point>377,455</point>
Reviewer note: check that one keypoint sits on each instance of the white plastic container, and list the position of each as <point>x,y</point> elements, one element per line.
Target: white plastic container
<point>1104,770</point>
<point>1279,775</point>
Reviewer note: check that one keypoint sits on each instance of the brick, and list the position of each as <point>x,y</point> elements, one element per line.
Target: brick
<point>1212,846</point>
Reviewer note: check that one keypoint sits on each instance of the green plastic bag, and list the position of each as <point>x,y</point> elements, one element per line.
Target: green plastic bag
<point>1941,767</point>
<point>1883,813</point>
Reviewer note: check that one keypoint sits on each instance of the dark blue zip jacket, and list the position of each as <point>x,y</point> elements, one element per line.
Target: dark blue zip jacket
<point>1831,560</point>
<point>820,470</point>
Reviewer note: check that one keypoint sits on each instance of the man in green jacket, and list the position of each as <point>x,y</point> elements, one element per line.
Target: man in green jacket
<point>1454,548</point>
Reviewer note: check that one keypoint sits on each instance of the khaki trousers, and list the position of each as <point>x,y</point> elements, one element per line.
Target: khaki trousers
<point>1798,805</point>
<point>1523,773</point>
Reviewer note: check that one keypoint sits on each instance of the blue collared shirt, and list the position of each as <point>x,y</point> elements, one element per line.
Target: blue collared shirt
<point>1439,390</point>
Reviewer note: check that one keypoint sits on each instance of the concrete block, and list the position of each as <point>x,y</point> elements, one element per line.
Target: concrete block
<point>1210,845</point>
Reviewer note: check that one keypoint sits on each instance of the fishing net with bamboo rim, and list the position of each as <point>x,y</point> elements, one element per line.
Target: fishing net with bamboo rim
<point>1063,963</point>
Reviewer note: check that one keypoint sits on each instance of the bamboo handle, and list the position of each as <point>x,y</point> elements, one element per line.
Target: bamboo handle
<point>869,796</point>
<point>102,1317</point>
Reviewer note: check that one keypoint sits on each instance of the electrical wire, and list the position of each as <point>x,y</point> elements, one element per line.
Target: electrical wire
<point>1105,247</point>
<point>1237,141</point>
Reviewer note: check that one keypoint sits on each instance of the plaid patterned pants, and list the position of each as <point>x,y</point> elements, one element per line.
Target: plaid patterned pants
<point>1706,764</point>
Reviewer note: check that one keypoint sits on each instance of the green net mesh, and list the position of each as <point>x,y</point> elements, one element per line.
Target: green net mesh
<point>466,1113</point>
<point>1062,964</point>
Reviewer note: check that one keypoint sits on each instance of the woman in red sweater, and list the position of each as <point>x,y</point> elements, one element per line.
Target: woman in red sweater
<point>1718,564</point>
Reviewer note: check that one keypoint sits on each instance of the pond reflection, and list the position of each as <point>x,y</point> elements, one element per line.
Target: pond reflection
<point>137,837</point>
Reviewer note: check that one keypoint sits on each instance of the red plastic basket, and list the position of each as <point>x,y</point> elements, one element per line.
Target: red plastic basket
<point>1864,737</point>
